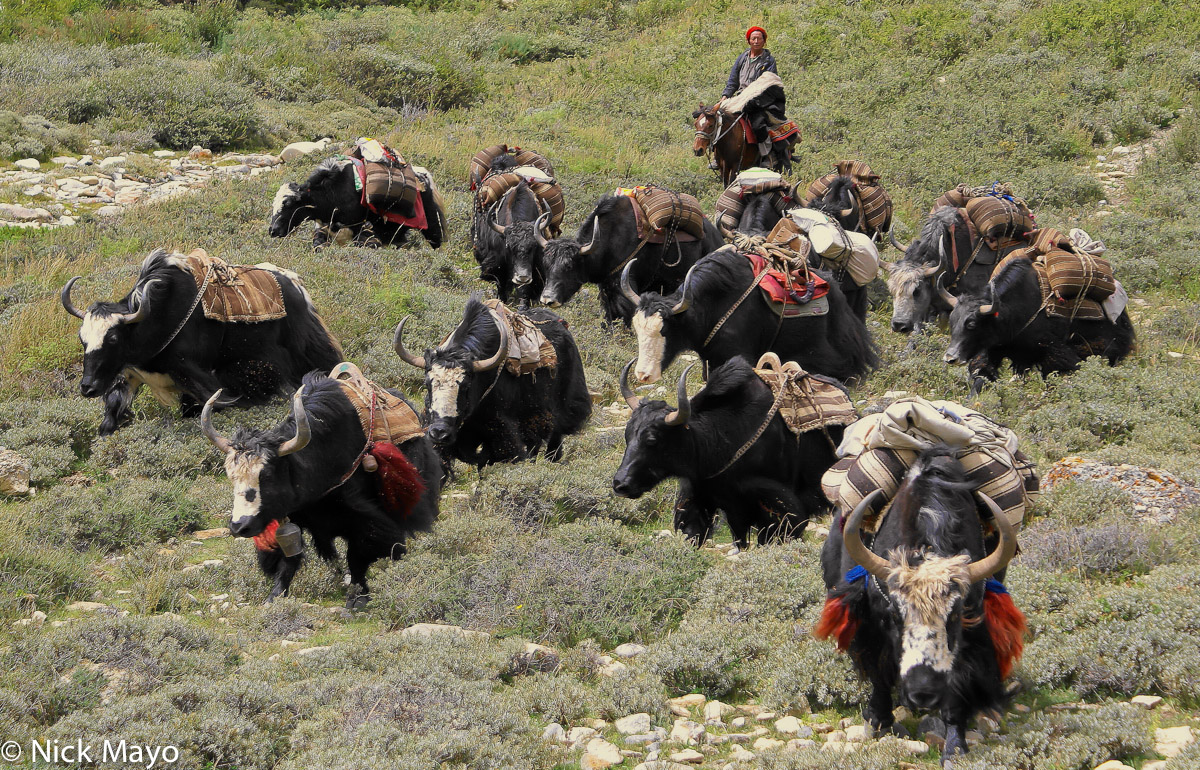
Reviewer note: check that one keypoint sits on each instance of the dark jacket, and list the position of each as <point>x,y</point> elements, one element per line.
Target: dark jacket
<point>765,63</point>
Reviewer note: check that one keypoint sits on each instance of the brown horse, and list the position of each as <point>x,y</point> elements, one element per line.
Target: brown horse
<point>724,137</point>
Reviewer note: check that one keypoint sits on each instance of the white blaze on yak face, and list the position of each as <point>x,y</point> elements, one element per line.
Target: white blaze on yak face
<point>244,471</point>
<point>444,383</point>
<point>926,594</point>
<point>94,329</point>
<point>651,344</point>
<point>282,196</point>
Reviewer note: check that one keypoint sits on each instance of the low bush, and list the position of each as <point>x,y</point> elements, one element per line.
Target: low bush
<point>1066,741</point>
<point>708,656</point>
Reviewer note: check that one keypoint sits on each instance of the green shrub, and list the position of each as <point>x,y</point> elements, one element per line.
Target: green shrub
<point>1066,741</point>
<point>159,449</point>
<point>709,657</point>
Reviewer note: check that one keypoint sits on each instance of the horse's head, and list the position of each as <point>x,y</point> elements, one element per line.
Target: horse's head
<point>706,122</point>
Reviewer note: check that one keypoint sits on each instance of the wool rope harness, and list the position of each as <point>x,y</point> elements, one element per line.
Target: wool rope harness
<point>208,274</point>
<point>757,434</point>
<point>770,252</point>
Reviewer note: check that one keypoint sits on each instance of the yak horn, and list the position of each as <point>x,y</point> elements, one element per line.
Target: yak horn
<point>65,296</point>
<point>303,433</point>
<point>846,212</point>
<point>725,231</point>
<point>887,266</point>
<point>1005,549</point>
<point>627,287</point>
<point>627,392</point>
<point>892,237</point>
<point>502,351</point>
<point>142,308</point>
<point>398,345</point>
<point>683,411</point>
<point>931,271</point>
<point>219,441</point>
<point>946,296</point>
<point>684,302</point>
<point>537,230</point>
<point>852,537</point>
<point>595,231</point>
<point>990,307</point>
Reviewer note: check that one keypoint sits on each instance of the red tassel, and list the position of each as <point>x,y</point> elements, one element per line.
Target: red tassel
<point>1006,625</point>
<point>837,621</point>
<point>400,484</point>
<point>265,540</point>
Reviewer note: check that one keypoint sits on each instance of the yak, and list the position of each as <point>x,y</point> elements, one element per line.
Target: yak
<point>775,486</point>
<point>151,337</point>
<point>913,609</point>
<point>310,471</point>
<point>943,248</point>
<point>479,411</point>
<point>509,249</point>
<point>836,344</point>
<point>331,198</point>
<point>1006,320</point>
<point>606,242</point>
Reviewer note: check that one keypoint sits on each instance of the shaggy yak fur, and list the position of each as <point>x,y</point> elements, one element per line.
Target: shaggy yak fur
<point>512,261</point>
<point>915,298</point>
<point>774,487</point>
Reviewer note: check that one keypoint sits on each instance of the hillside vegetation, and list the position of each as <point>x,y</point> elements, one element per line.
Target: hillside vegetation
<point>930,93</point>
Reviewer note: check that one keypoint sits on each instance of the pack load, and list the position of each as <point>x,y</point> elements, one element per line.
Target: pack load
<point>665,213</point>
<point>841,250</point>
<point>752,181</point>
<point>958,197</point>
<point>878,450</point>
<point>806,401</point>
<point>235,293</point>
<point>995,213</point>
<point>1071,271</point>
<point>874,203</point>
<point>524,166</point>
<point>528,348</point>
<point>788,285</point>
<point>391,183</point>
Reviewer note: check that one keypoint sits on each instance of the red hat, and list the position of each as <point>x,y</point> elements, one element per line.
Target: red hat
<point>752,30</point>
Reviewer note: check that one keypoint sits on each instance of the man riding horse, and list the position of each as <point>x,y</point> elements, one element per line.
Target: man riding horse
<point>763,110</point>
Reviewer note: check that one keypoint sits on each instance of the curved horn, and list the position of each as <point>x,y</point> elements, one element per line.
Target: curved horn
<point>498,228</point>
<point>684,301</point>
<point>896,243</point>
<point>303,434</point>
<point>946,296</point>
<point>887,266</point>
<point>65,296</point>
<point>992,304</point>
<point>538,227</point>
<point>725,231</point>
<point>502,351</point>
<point>398,345</point>
<point>846,212</point>
<point>219,441</point>
<point>683,411</point>
<point>142,308</point>
<point>1005,549</point>
<point>627,287</point>
<point>931,271</point>
<point>627,392</point>
<point>595,232</point>
<point>852,537</point>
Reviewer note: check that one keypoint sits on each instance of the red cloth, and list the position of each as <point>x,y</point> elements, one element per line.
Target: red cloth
<point>400,484</point>
<point>752,30</point>
<point>265,540</point>
<point>837,621</point>
<point>775,285</point>
<point>417,221</point>
<point>1006,625</point>
<point>748,130</point>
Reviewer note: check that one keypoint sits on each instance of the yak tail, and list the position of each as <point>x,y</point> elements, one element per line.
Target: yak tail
<point>400,484</point>
<point>838,621</point>
<point>1006,625</point>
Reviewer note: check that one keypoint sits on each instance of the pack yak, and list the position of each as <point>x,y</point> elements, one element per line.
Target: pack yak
<point>311,471</point>
<point>509,247</point>
<point>605,243</point>
<point>774,486</point>
<point>481,412</point>
<point>918,610</point>
<point>713,315</point>
<point>331,197</point>
<point>1008,319</point>
<point>156,337</point>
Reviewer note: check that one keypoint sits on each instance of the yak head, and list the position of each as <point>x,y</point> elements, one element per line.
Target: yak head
<point>652,439</point>
<point>565,261</point>
<point>974,325</point>
<point>328,190</point>
<point>653,314</point>
<point>267,483</point>
<point>911,281</point>
<point>451,368</point>
<point>524,243</point>
<point>931,585</point>
<point>109,334</point>
<point>291,206</point>
<point>840,201</point>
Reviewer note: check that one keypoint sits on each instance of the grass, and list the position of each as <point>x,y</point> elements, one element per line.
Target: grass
<point>930,93</point>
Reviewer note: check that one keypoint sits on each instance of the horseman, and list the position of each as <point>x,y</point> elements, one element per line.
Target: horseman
<point>765,109</point>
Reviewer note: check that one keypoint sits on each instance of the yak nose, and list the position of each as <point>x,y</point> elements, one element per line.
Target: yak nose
<point>901,326</point>
<point>439,434</point>
<point>241,528</point>
<point>521,280</point>
<point>88,388</point>
<point>621,485</point>
<point>950,358</point>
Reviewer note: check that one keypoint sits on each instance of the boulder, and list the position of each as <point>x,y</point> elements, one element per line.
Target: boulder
<point>429,630</point>
<point>1170,741</point>
<point>14,473</point>
<point>28,164</point>
<point>634,724</point>
<point>629,650</point>
<point>298,150</point>
<point>600,754</point>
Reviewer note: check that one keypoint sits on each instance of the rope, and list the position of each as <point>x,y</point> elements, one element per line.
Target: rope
<point>757,434</point>
<point>208,274</point>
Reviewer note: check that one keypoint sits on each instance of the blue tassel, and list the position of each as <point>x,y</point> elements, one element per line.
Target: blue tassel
<point>994,586</point>
<point>857,573</point>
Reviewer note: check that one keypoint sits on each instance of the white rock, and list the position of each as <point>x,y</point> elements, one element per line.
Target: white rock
<point>164,153</point>
<point>629,650</point>
<point>612,668</point>
<point>38,617</point>
<point>600,754</point>
<point>554,733</point>
<point>108,211</point>
<point>28,164</point>
<point>1119,150</point>
<point>578,735</point>
<point>740,754</point>
<point>738,722</point>
<point>299,149</point>
<point>688,757</point>
<point>62,159</point>
<point>86,606</point>
<point>687,732</point>
<point>795,744</point>
<point>788,725</point>
<point>1113,764</point>
<point>768,744</point>
<point>34,191</point>
<point>1155,764</point>
<point>427,630</point>
<point>694,700</point>
<point>634,724</point>
<point>914,747</point>
<point>1146,701</point>
<point>14,473</point>
<point>113,162</point>
<point>856,733</point>
<point>714,710</point>
<point>1170,741</point>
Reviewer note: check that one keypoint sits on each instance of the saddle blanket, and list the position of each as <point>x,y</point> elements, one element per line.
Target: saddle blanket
<point>528,348</point>
<point>235,293</point>
<point>384,417</point>
<point>808,401</point>
<point>787,289</point>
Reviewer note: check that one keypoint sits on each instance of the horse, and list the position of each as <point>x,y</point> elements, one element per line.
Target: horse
<point>724,137</point>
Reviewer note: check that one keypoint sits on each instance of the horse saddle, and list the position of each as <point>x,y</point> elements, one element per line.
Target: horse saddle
<point>793,294</point>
